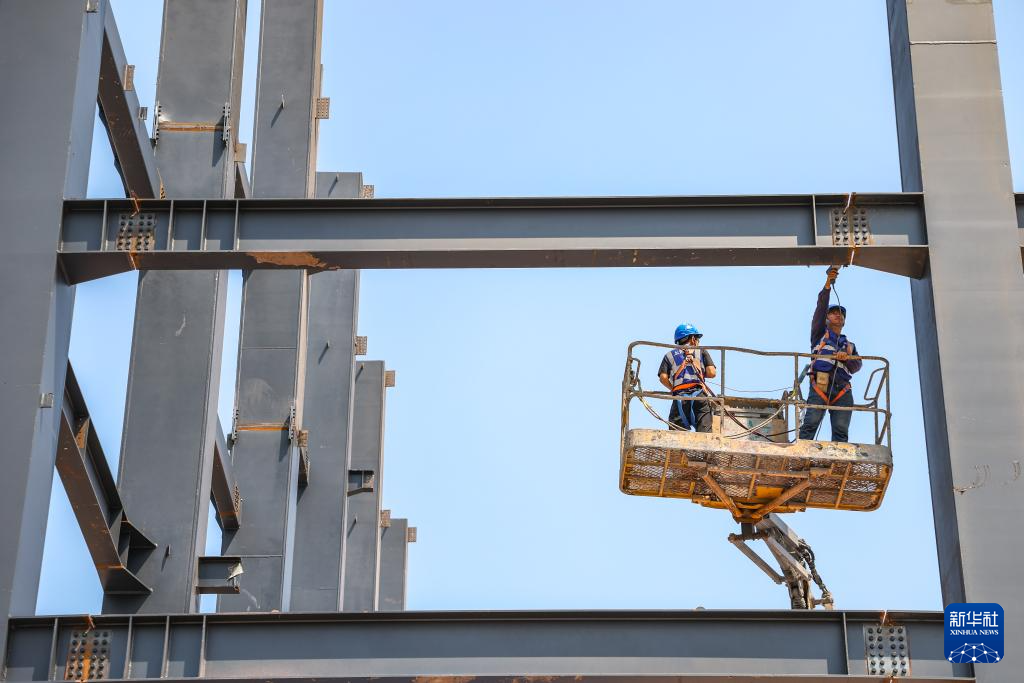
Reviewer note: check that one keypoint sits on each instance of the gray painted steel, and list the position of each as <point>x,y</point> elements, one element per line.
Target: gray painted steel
<point>285,130</point>
<point>242,188</point>
<point>394,563</point>
<point>264,456</point>
<point>302,647</point>
<point>224,492</point>
<point>272,357</point>
<point>170,428</point>
<point>114,543</point>
<point>326,417</point>
<point>362,515</point>
<point>64,43</point>
<point>119,109</point>
<point>949,99</point>
<point>339,185</point>
<point>496,233</point>
<point>318,569</point>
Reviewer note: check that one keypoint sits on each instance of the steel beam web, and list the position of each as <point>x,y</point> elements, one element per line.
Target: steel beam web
<point>171,424</point>
<point>323,234</point>
<point>698,645</point>
<point>49,69</point>
<point>318,572</point>
<point>365,469</point>
<point>120,111</point>
<point>394,562</point>
<point>272,355</point>
<point>953,145</point>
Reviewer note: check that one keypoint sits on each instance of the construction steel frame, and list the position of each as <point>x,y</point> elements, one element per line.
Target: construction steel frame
<point>956,231</point>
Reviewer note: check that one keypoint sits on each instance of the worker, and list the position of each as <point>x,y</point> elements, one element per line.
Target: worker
<point>830,376</point>
<point>683,373</point>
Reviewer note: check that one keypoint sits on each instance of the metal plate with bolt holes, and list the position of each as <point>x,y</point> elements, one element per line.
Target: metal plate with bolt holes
<point>362,344</point>
<point>323,107</point>
<point>389,378</point>
<point>136,233</point>
<point>88,656</point>
<point>410,534</point>
<point>128,80</point>
<point>385,518</point>
<point>850,227</point>
<point>887,649</point>
<point>366,192</point>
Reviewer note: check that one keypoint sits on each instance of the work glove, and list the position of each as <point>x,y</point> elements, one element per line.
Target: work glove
<point>830,277</point>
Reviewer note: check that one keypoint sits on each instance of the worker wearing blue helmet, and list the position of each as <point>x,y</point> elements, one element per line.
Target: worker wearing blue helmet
<point>683,372</point>
<point>830,375</point>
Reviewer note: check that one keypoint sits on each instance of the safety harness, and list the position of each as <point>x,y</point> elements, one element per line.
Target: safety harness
<point>827,348</point>
<point>689,375</point>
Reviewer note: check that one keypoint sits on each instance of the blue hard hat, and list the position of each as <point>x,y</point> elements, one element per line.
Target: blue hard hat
<point>686,330</point>
<point>841,309</point>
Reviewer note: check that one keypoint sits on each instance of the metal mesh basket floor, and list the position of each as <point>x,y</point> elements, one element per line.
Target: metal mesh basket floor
<point>842,476</point>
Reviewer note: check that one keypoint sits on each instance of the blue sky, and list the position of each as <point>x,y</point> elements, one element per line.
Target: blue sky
<point>515,491</point>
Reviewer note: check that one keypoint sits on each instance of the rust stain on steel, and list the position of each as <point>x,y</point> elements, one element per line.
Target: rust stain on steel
<point>291,259</point>
<point>190,127</point>
<point>261,428</point>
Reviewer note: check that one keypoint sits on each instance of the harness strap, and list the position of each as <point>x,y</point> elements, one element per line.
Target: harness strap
<point>833,361</point>
<point>825,398</point>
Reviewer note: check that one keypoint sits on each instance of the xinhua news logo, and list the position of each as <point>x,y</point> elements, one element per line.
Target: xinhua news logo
<point>974,633</point>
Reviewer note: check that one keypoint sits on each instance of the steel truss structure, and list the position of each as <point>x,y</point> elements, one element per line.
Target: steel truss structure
<point>955,231</point>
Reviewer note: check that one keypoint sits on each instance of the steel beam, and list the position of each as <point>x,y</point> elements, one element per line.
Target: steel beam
<point>319,566</point>
<point>114,543</point>
<point>224,493</point>
<point>272,356</point>
<point>339,185</point>
<point>953,146</point>
<point>492,233</point>
<point>687,645</point>
<point>170,430</point>
<point>120,112</point>
<point>49,68</point>
<point>362,514</point>
<point>394,562</point>
<point>242,188</point>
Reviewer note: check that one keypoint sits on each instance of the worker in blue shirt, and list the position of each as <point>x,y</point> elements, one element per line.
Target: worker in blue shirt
<point>830,376</point>
<point>683,372</point>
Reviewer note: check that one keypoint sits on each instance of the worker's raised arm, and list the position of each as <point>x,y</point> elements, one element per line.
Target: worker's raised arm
<point>818,321</point>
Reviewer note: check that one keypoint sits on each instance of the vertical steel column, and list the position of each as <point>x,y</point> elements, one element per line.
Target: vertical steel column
<point>394,562</point>
<point>272,353</point>
<point>171,419</point>
<point>362,517</point>
<point>969,309</point>
<point>49,71</point>
<point>318,567</point>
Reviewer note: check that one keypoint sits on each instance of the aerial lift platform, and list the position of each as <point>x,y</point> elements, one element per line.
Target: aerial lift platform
<point>749,464</point>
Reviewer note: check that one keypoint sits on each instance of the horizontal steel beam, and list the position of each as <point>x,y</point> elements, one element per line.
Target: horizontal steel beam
<point>224,494</point>
<point>751,645</point>
<point>113,542</point>
<point>103,237</point>
<point>119,109</point>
